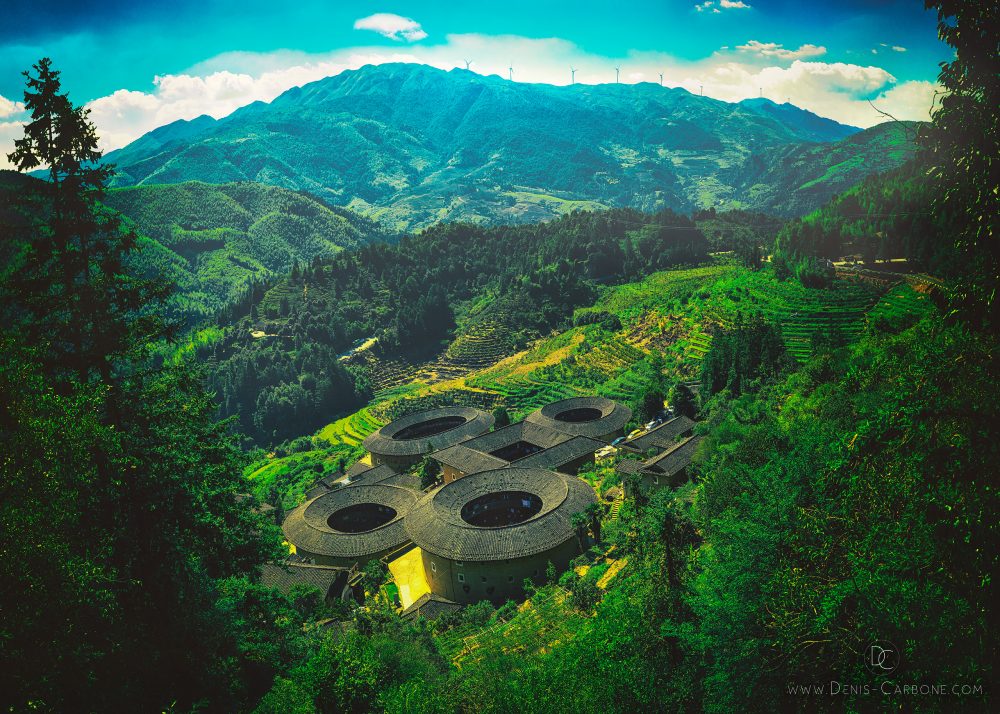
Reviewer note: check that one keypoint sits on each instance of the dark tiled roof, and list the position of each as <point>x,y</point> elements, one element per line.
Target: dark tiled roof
<point>541,436</point>
<point>283,576</point>
<point>430,607</point>
<point>664,436</point>
<point>384,440</point>
<point>378,474</point>
<point>358,467</point>
<point>561,454</point>
<point>468,460</point>
<point>436,525</point>
<point>306,527</point>
<point>672,461</point>
<point>613,416</point>
<point>667,463</point>
<point>629,466</point>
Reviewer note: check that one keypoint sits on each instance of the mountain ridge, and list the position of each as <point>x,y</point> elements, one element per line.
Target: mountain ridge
<point>412,145</point>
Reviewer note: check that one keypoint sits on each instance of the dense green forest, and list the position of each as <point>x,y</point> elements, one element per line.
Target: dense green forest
<point>213,241</point>
<point>407,296</point>
<point>841,498</point>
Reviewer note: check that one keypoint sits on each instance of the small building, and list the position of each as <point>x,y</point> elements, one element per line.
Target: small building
<point>482,535</point>
<point>430,607</point>
<point>568,457</point>
<point>593,417</point>
<point>350,525</point>
<point>404,442</point>
<point>333,583</point>
<point>667,469</point>
<point>522,445</point>
<point>664,436</point>
<point>460,460</point>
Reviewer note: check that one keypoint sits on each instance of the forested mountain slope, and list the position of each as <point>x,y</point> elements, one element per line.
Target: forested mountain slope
<point>413,145</point>
<point>212,240</point>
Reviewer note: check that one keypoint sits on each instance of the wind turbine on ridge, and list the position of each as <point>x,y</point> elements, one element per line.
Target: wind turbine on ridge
<point>617,71</point>
<point>572,75</point>
<point>468,63</point>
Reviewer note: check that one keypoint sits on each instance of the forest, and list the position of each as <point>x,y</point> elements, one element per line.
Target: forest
<point>840,498</point>
<point>407,295</point>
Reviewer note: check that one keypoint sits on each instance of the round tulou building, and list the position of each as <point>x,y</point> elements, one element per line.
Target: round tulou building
<point>483,534</point>
<point>404,442</point>
<point>350,525</point>
<point>593,417</point>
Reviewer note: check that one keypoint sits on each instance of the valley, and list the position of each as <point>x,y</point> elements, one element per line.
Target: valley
<point>354,381</point>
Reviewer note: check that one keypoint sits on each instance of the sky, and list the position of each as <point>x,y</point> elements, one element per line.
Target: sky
<point>140,65</point>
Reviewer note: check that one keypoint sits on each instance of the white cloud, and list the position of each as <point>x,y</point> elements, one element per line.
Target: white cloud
<point>709,6</point>
<point>9,108</point>
<point>224,83</point>
<point>897,48</point>
<point>909,100</point>
<point>395,27</point>
<point>772,49</point>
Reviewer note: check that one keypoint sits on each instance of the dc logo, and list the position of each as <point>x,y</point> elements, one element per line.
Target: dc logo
<point>882,658</point>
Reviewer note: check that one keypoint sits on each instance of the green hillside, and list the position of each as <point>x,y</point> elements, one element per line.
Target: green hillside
<point>213,240</point>
<point>663,322</point>
<point>412,145</point>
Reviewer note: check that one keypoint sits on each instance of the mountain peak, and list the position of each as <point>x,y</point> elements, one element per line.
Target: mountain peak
<point>415,144</point>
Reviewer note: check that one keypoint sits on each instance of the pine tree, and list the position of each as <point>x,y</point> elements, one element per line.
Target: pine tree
<point>72,292</point>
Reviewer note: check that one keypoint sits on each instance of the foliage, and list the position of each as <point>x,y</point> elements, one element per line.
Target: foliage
<point>120,473</point>
<point>749,352</point>
<point>962,148</point>
<point>290,378</point>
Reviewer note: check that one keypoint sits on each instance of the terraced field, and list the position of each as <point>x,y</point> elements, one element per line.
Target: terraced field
<point>672,314</point>
<point>351,430</point>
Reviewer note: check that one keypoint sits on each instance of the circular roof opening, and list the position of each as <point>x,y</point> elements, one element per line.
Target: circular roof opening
<point>360,517</point>
<point>431,427</point>
<point>501,508</point>
<point>581,414</point>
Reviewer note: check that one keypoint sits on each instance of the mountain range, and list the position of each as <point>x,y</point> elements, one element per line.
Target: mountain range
<point>411,145</point>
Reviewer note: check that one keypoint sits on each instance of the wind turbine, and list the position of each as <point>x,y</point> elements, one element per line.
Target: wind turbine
<point>510,76</point>
<point>661,79</point>
<point>701,87</point>
<point>617,70</point>
<point>572,75</point>
<point>468,63</point>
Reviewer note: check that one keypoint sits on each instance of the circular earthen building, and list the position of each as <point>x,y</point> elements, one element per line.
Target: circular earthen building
<point>484,534</point>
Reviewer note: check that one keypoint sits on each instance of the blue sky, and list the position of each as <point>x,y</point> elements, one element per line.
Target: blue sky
<point>141,65</point>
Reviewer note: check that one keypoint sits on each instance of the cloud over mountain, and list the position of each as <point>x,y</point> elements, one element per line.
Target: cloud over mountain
<point>395,27</point>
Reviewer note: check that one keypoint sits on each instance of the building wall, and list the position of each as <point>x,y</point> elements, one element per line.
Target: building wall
<point>654,483</point>
<point>399,463</point>
<point>611,435</point>
<point>497,581</point>
<point>450,473</point>
<point>318,559</point>
<point>573,467</point>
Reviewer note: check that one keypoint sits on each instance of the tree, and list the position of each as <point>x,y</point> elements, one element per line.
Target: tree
<point>962,145</point>
<point>71,291</point>
<point>683,401</point>
<point>501,418</point>
<point>429,472</point>
<point>137,509</point>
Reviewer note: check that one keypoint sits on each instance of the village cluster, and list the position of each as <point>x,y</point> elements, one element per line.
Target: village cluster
<point>502,512</point>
